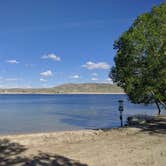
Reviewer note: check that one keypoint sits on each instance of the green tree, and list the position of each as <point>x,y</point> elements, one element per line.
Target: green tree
<point>140,61</point>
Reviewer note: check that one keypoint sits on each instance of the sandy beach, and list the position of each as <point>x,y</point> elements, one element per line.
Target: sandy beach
<point>130,146</point>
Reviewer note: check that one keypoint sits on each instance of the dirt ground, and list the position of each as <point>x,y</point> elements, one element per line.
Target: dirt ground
<point>143,145</point>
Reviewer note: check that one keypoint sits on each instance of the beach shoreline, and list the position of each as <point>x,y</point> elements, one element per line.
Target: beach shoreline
<point>126,146</point>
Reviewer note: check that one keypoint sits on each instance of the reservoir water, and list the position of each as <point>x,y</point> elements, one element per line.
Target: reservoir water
<point>46,113</point>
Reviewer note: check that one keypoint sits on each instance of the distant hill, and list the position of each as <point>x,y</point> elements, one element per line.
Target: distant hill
<point>70,88</point>
<point>88,88</point>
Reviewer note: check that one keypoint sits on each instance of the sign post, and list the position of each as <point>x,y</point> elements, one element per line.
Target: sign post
<point>121,110</point>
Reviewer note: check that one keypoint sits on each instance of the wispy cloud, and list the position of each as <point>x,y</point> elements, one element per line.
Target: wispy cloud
<point>12,61</point>
<point>109,80</point>
<point>43,80</point>
<point>29,65</point>
<point>12,79</point>
<point>7,86</point>
<point>99,65</point>
<point>94,74</point>
<point>52,57</point>
<point>75,76</point>
<point>94,79</point>
<point>47,73</point>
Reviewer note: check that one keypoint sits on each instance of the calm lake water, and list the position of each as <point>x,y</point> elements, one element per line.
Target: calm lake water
<point>43,113</point>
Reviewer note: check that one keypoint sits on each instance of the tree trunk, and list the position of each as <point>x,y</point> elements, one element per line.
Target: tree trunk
<point>159,110</point>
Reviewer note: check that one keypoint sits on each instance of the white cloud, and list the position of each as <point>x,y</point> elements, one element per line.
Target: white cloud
<point>29,65</point>
<point>47,73</point>
<point>12,79</point>
<point>12,61</point>
<point>100,65</point>
<point>94,79</point>
<point>43,80</point>
<point>109,80</point>
<point>94,74</point>
<point>51,56</point>
<point>75,76</point>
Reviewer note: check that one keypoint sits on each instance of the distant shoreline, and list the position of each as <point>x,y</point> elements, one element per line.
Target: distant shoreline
<point>83,88</point>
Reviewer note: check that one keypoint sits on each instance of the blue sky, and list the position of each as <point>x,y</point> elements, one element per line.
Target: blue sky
<point>44,43</point>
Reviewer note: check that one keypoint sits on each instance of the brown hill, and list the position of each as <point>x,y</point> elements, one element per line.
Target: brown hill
<point>69,88</point>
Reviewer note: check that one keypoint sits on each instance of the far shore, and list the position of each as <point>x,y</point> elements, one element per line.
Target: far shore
<point>143,145</point>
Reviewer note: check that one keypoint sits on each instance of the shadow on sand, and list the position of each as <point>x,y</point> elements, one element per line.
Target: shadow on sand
<point>10,155</point>
<point>155,126</point>
<point>151,124</point>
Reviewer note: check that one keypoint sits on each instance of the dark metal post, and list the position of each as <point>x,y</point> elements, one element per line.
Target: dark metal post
<point>121,110</point>
<point>121,119</point>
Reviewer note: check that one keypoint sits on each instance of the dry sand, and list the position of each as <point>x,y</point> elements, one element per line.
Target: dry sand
<point>141,146</point>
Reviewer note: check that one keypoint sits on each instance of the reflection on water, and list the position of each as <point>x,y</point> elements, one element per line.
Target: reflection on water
<point>43,113</point>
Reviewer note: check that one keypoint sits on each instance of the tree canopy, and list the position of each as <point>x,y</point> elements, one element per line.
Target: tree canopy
<point>140,61</point>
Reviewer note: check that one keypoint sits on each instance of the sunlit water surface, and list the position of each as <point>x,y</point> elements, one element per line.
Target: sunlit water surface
<point>45,113</point>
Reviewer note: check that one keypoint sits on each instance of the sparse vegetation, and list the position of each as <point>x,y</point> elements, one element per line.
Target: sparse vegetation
<point>70,88</point>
